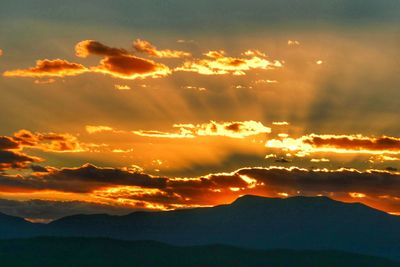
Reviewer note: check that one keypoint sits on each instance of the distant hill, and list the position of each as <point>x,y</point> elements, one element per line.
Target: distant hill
<point>300,223</point>
<point>15,227</point>
<point>42,252</point>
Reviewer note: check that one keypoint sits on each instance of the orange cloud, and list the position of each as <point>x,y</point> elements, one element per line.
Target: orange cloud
<point>131,67</point>
<point>49,68</point>
<point>90,47</point>
<point>11,157</point>
<point>119,63</point>
<point>217,63</point>
<point>51,142</point>
<point>146,47</point>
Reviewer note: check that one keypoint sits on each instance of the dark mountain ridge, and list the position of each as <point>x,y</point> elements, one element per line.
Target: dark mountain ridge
<point>311,223</point>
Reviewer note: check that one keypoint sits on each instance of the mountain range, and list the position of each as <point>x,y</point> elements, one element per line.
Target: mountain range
<point>250,222</point>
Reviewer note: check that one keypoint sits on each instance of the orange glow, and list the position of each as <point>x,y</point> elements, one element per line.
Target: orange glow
<point>357,195</point>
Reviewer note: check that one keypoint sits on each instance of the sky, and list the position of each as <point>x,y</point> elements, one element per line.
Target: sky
<point>118,106</point>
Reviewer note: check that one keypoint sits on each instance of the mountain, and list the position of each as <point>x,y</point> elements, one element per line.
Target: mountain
<point>299,223</point>
<point>107,252</point>
<point>15,227</point>
<point>253,222</point>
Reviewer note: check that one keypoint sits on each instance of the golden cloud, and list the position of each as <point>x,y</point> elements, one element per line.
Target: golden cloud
<point>146,47</point>
<point>51,142</point>
<point>49,68</point>
<point>217,63</point>
<point>97,128</point>
<point>122,87</point>
<point>235,129</point>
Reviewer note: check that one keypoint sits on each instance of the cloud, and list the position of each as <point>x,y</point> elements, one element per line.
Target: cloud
<point>122,87</point>
<point>196,88</point>
<point>280,123</point>
<point>83,179</point>
<point>119,63</point>
<point>98,128</point>
<point>217,63</point>
<point>48,81</point>
<point>235,129</point>
<point>12,157</point>
<point>49,68</point>
<point>51,142</point>
<point>90,47</point>
<point>146,47</point>
<point>354,142</point>
<point>159,134</point>
<point>15,160</point>
<point>293,42</point>
<point>8,143</point>
<point>131,67</point>
<point>341,144</point>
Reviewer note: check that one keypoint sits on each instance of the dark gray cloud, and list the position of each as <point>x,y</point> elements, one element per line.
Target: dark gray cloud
<point>15,160</point>
<point>83,179</point>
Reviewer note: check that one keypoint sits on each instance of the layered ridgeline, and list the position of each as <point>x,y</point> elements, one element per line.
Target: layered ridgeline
<point>99,252</point>
<point>300,223</point>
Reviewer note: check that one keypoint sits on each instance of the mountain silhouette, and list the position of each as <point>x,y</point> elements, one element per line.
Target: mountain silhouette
<point>299,223</point>
<point>15,227</point>
<point>108,252</point>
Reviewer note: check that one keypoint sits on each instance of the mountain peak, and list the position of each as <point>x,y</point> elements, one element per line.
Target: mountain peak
<point>252,199</point>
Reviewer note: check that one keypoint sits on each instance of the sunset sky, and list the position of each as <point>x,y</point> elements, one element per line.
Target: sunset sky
<point>117,106</point>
